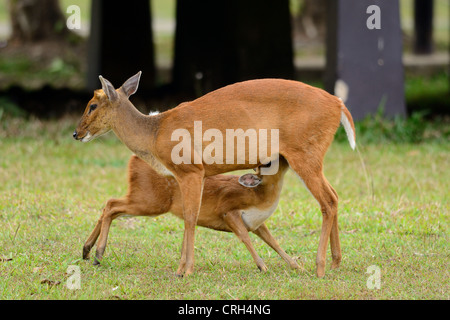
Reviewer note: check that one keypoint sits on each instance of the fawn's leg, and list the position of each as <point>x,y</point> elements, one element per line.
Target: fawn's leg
<point>191,187</point>
<point>113,209</point>
<point>92,239</point>
<point>96,232</point>
<point>264,233</point>
<point>234,221</point>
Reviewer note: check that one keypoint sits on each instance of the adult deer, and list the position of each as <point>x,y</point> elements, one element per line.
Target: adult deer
<point>304,117</point>
<point>229,203</point>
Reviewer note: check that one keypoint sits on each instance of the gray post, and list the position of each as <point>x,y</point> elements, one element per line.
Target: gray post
<point>364,56</point>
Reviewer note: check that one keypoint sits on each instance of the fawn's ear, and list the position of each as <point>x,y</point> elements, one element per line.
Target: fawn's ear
<point>250,180</point>
<point>131,85</point>
<point>108,88</point>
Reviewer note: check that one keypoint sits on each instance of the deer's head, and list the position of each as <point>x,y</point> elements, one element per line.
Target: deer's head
<point>101,111</point>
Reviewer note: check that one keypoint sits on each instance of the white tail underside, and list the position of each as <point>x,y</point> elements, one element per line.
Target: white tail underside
<point>349,130</point>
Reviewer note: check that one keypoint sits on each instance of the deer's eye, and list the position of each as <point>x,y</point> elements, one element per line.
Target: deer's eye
<point>92,107</point>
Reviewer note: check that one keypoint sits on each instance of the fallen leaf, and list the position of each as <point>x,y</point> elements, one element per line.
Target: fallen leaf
<point>50,282</point>
<point>3,259</point>
<point>310,233</point>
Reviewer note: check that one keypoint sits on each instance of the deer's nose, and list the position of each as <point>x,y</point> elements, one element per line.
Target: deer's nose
<point>75,135</point>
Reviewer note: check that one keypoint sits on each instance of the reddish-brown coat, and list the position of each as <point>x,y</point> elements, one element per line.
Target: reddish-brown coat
<point>224,198</point>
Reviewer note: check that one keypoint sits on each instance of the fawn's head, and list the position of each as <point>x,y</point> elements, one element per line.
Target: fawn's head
<point>100,111</point>
<point>252,180</point>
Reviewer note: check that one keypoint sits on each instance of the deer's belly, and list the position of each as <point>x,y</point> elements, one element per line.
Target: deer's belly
<point>254,217</point>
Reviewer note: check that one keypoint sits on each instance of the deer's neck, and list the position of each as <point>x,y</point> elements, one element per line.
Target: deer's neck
<point>136,130</point>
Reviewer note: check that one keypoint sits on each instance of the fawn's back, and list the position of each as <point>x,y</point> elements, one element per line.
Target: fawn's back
<point>221,194</point>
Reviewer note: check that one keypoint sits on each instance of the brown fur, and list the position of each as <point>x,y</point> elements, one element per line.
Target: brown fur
<point>307,119</point>
<point>151,194</point>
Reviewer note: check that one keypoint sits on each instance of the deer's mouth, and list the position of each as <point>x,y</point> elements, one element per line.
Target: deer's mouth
<point>87,137</point>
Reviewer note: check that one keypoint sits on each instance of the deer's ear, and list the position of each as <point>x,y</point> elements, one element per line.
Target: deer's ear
<point>250,180</point>
<point>130,86</point>
<point>108,88</point>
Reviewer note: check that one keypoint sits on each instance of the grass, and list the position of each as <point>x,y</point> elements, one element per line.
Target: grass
<point>428,93</point>
<point>393,213</point>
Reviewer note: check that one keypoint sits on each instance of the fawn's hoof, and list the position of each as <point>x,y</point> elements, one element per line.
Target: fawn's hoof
<point>261,265</point>
<point>294,265</point>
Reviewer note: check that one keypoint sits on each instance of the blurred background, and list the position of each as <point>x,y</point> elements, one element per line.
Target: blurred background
<point>52,51</point>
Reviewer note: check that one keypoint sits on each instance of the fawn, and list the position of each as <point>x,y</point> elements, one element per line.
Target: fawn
<point>229,203</point>
<point>304,118</point>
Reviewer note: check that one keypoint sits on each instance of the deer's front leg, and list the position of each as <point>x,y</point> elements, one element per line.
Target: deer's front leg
<point>191,187</point>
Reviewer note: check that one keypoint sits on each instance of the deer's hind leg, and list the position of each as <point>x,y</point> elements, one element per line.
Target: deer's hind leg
<point>310,171</point>
<point>335,243</point>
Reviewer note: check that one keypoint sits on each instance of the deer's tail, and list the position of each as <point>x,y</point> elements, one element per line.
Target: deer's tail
<point>347,123</point>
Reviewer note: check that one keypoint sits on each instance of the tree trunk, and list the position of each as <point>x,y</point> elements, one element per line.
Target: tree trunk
<point>423,26</point>
<point>36,20</point>
<point>222,42</point>
<point>121,44</point>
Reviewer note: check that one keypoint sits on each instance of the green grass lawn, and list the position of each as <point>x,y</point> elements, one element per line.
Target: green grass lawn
<point>394,215</point>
